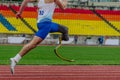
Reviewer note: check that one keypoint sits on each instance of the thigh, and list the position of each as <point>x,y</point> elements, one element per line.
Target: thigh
<point>54,27</point>
<point>43,30</point>
<point>36,40</point>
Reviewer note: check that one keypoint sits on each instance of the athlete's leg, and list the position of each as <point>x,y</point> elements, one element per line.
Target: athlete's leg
<point>34,42</point>
<point>44,29</point>
<point>64,31</point>
<point>60,28</point>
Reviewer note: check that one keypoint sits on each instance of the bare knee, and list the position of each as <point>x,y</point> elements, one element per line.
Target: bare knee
<point>36,40</point>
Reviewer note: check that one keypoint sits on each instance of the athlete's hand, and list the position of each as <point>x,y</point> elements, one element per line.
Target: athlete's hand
<point>18,15</point>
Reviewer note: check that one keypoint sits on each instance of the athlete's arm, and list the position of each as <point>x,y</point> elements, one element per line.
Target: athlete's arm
<point>24,3</point>
<point>62,4</point>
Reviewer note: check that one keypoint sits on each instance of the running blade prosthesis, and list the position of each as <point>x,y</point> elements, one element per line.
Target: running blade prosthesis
<point>57,53</point>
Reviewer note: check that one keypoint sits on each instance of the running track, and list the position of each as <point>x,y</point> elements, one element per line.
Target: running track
<point>37,72</point>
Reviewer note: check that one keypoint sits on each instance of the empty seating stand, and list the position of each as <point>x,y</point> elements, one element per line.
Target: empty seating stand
<point>79,21</point>
<point>6,23</point>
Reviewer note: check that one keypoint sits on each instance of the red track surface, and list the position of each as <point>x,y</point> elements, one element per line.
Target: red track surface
<point>30,72</point>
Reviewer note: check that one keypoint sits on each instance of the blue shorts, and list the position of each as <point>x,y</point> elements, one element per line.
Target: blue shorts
<point>46,27</point>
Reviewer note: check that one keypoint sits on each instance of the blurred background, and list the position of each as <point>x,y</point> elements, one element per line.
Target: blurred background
<point>90,22</point>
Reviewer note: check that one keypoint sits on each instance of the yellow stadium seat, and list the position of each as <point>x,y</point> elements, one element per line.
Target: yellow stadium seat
<point>32,22</point>
<point>88,27</point>
<point>19,25</point>
<point>116,24</point>
<point>3,29</point>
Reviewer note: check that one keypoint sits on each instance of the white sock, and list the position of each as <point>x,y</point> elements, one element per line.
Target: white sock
<point>17,58</point>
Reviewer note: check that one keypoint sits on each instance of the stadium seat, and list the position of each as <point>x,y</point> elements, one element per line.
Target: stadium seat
<point>79,21</point>
<point>112,16</point>
<point>19,25</point>
<point>3,29</point>
<point>32,22</point>
<point>3,7</point>
<point>6,23</point>
<point>87,27</point>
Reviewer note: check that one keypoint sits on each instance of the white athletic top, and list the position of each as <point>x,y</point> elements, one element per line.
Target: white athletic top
<point>45,11</point>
